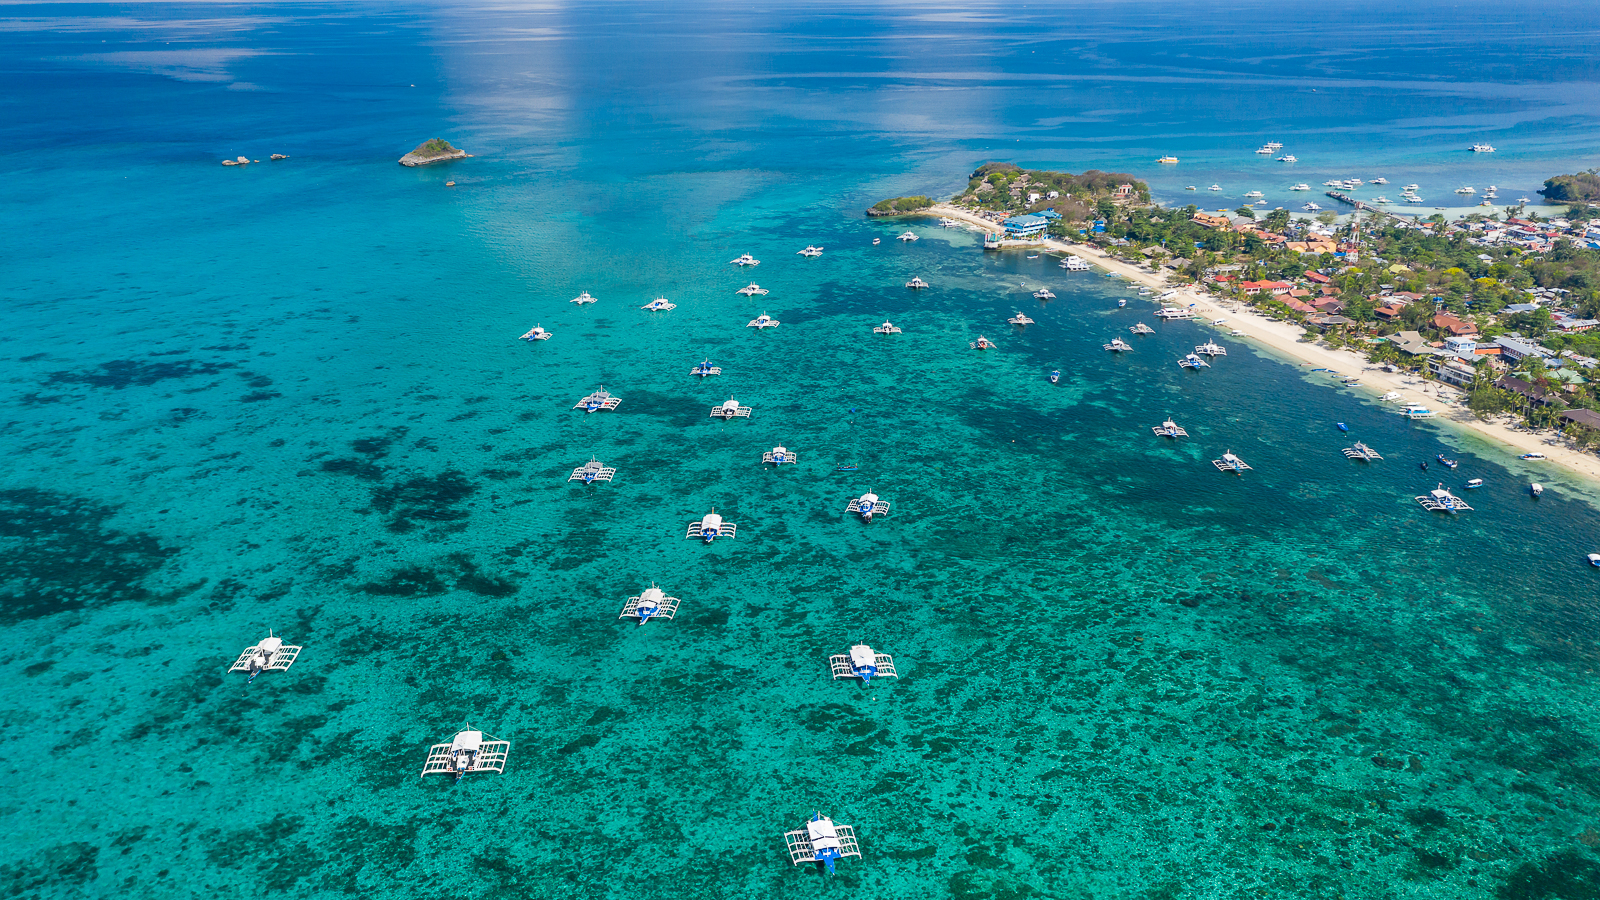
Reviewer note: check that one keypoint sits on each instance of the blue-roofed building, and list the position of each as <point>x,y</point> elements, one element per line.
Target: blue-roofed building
<point>1049,214</point>
<point>1025,226</point>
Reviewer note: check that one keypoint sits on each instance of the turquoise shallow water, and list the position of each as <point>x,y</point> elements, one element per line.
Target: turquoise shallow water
<point>290,397</point>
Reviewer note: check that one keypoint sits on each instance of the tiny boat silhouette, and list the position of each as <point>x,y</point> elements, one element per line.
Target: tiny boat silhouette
<point>1474,483</point>
<point>877,241</point>
<point>1448,463</point>
<point>1342,426</point>
<point>1055,376</point>
<point>1424,467</point>
<point>846,467</point>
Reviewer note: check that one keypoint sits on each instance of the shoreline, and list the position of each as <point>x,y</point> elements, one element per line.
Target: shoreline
<point>1282,339</point>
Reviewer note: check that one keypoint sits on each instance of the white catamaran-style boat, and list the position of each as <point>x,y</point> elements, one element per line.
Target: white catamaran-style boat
<point>982,343</point>
<point>1043,294</point>
<point>753,290</point>
<point>537,333</point>
<point>763,321</point>
<point>1441,500</point>
<point>592,471</point>
<point>823,842</point>
<point>887,328</point>
<point>1212,349</point>
<point>908,236</point>
<point>710,527</point>
<point>660,304</point>
<point>1362,452</point>
<point>1192,361</point>
<point>810,252</point>
<point>582,298</point>
<point>271,655</point>
<point>1118,345</point>
<point>467,752</point>
<point>1141,328</point>
<point>779,456</point>
<point>1019,319</point>
<point>864,663</point>
<point>652,603</point>
<point>1169,429</point>
<point>597,401</point>
<point>1230,463</point>
<point>916,283</point>
<point>744,259</point>
<point>730,409</point>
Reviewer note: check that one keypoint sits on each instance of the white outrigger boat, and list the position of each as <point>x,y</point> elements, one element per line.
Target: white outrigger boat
<point>1230,463</point>
<point>592,471</point>
<point>916,283</point>
<point>1043,294</point>
<point>779,456</point>
<point>582,298</point>
<point>864,663</point>
<point>652,603</point>
<point>1441,500</point>
<point>753,290</point>
<point>710,527</point>
<point>982,343</point>
<point>705,368</point>
<point>1212,349</point>
<point>1118,345</point>
<point>1362,452</point>
<point>597,401</point>
<point>1169,429</point>
<point>1173,312</point>
<point>1193,362</point>
<point>823,842</point>
<point>868,505</point>
<point>1019,319</point>
<point>1417,411</point>
<point>660,304</point>
<point>744,260</point>
<point>537,333</point>
<point>730,409</point>
<point>810,252</point>
<point>1141,328</point>
<point>908,236</point>
<point>467,752</point>
<point>763,321</point>
<point>887,328</point>
<point>271,655</point>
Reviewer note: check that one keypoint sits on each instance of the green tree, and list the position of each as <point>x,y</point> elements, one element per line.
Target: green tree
<point>1245,212</point>
<point>1277,220</point>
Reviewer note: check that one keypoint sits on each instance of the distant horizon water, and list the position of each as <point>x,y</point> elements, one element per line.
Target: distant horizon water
<point>290,396</point>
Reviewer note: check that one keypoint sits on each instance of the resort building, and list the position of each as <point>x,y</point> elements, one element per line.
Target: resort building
<point>1025,226</point>
<point>1452,371</point>
<point>1453,325</point>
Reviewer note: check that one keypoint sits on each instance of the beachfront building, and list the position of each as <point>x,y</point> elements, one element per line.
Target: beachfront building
<point>1025,226</point>
<point>1452,371</point>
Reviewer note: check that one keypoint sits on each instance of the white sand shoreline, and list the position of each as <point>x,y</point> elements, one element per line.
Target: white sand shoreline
<point>1283,340</point>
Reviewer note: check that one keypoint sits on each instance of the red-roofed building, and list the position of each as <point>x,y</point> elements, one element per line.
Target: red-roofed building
<point>1455,326</point>
<point>1318,277</point>
<point>1297,305</point>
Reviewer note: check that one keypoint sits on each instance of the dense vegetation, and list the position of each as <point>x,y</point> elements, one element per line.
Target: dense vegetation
<point>1583,187</point>
<point>899,206</point>
<point>433,147</point>
<point>1004,187</point>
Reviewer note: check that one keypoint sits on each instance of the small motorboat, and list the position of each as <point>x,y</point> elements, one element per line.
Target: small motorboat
<point>1342,426</point>
<point>1121,303</point>
<point>1532,456</point>
<point>847,467</point>
<point>1035,256</point>
<point>1474,483</point>
<point>1594,560</point>
<point>1424,467</point>
<point>1536,489</point>
<point>1055,376</point>
<point>1448,463</point>
<point>877,241</point>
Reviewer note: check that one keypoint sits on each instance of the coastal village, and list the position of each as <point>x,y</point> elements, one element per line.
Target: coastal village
<point>1497,317</point>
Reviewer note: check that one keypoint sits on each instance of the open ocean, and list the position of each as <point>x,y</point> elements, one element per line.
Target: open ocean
<point>290,396</point>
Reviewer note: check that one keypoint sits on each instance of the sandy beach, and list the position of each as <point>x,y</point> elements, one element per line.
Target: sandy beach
<point>1283,339</point>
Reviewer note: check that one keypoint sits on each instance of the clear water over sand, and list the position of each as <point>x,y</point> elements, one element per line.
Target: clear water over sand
<point>290,396</point>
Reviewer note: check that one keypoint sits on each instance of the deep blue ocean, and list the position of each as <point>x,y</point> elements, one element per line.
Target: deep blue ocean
<point>290,396</point>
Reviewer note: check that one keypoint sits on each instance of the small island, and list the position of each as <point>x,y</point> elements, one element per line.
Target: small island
<point>1583,187</point>
<point>899,206</point>
<point>432,151</point>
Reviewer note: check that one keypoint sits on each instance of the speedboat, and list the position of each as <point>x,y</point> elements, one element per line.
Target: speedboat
<point>1301,187</point>
<point>1215,187</point>
<point>1189,188</point>
<point>1474,483</point>
<point>1055,376</point>
<point>1380,181</point>
<point>1450,463</point>
<point>1342,426</point>
<point>1311,207</point>
<point>1122,302</point>
<point>1254,194</point>
<point>1594,559</point>
<point>1536,489</point>
<point>877,241</point>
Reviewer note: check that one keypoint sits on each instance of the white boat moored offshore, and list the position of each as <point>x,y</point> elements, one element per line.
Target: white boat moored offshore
<point>945,222</point>
<point>916,283</point>
<point>1118,345</point>
<point>1141,328</point>
<point>780,455</point>
<point>1390,397</point>
<point>1417,411</point>
<point>1362,452</point>
<point>660,304</point>
<point>592,471</point>
<point>886,328</point>
<point>1169,429</point>
<point>730,409</point>
<point>1287,157</point>
<point>908,236</point>
<point>868,505</point>
<point>810,251</point>
<point>1441,500</point>
<point>705,368</point>
<point>1254,194</point>
<point>710,527</point>
<point>745,259</point>
<point>537,333</point>
<point>982,343</point>
<point>271,655</point>
<point>1193,362</point>
<point>822,841</point>
<point>864,663</point>
<point>753,290</point>
<point>763,321</point>
<point>1215,187</point>
<point>467,752</point>
<point>1075,264</point>
<point>1173,312</point>
<point>1212,349</point>
<point>1311,207</point>
<point>582,298</point>
<point>652,603</point>
<point>1043,294</point>
<point>1230,463</point>
<point>1019,319</point>
<point>1465,189</point>
<point>1302,186</point>
<point>597,401</point>
<point>1264,150</point>
<point>1482,148</point>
